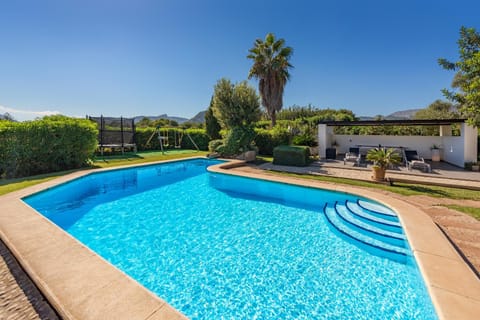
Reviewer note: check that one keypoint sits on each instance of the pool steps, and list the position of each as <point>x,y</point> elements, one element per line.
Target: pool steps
<point>374,235</point>
<point>371,230</point>
<point>368,217</point>
<point>378,209</point>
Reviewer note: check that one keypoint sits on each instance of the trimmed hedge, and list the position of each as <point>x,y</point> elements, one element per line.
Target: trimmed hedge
<point>52,144</point>
<point>291,155</point>
<point>198,135</point>
<point>267,140</point>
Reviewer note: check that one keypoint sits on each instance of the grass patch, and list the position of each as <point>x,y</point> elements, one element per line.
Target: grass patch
<point>144,157</point>
<point>474,212</point>
<point>400,188</point>
<point>11,185</point>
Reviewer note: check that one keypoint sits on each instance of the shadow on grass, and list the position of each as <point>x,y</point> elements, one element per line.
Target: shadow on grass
<point>39,176</point>
<point>421,189</point>
<point>125,156</point>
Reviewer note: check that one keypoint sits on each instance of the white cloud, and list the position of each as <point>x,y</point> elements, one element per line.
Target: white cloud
<point>23,115</point>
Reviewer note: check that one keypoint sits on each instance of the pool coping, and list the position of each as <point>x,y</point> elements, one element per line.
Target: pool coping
<point>82,285</point>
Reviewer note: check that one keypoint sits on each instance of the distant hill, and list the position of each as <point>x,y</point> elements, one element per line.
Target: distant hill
<point>365,118</point>
<point>162,116</point>
<point>398,115</point>
<point>199,118</point>
<point>403,115</point>
<point>7,116</point>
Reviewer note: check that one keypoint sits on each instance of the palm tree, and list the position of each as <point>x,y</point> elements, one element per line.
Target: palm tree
<point>270,67</point>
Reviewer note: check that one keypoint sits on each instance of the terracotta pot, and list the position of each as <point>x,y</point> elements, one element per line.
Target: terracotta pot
<point>435,155</point>
<point>378,174</point>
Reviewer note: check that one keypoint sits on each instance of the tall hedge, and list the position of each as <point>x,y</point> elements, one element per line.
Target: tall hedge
<point>175,137</point>
<point>267,140</point>
<point>52,144</point>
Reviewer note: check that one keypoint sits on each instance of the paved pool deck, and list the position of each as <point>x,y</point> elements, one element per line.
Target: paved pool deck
<point>81,285</point>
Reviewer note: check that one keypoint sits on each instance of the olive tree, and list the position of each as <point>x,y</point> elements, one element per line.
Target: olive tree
<point>237,108</point>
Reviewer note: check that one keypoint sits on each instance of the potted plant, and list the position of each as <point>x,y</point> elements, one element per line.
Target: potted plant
<point>382,158</point>
<point>435,152</point>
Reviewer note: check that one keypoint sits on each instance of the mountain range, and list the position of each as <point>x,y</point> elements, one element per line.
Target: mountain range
<point>200,117</point>
<point>398,115</point>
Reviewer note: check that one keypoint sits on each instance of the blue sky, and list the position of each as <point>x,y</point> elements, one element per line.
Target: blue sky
<point>118,57</point>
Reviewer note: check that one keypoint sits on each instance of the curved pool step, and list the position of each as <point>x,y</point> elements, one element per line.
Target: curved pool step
<point>366,216</point>
<point>377,209</point>
<point>369,244</point>
<point>370,230</point>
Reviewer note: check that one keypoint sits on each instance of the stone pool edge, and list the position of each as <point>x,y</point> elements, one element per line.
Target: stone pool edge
<point>82,285</point>
<point>76,281</point>
<point>452,285</point>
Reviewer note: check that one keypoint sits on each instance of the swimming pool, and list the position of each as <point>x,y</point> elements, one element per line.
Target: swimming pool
<point>216,246</point>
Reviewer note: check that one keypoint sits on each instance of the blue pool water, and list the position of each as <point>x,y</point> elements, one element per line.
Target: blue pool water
<point>216,246</point>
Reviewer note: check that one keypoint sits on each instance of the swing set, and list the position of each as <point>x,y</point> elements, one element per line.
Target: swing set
<point>163,138</point>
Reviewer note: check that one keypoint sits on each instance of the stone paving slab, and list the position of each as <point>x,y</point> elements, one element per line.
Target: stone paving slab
<point>19,297</point>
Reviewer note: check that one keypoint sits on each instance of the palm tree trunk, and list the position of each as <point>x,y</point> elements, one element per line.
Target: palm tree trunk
<point>273,116</point>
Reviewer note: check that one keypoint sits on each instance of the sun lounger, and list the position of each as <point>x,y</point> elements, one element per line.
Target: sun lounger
<point>412,160</point>
<point>353,155</point>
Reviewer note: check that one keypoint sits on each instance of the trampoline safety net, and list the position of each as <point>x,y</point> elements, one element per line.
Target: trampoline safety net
<point>115,133</point>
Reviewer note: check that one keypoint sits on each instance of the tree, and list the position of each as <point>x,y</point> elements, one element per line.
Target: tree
<point>7,116</point>
<point>235,105</point>
<point>237,108</point>
<point>270,67</point>
<point>211,123</point>
<point>466,82</point>
<point>437,110</point>
<point>144,123</point>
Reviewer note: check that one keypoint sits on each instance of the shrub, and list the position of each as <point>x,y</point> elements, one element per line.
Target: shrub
<point>291,155</point>
<point>214,144</point>
<point>212,126</point>
<point>304,139</point>
<point>238,140</point>
<point>267,140</point>
<point>52,144</point>
<point>199,136</point>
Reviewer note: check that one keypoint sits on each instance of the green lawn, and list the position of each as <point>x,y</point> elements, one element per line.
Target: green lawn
<point>144,157</point>
<point>11,185</point>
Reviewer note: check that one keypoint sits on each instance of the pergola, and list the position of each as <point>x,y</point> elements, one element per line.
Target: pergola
<point>456,150</point>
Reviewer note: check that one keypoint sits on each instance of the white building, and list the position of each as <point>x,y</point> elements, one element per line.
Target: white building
<point>456,150</point>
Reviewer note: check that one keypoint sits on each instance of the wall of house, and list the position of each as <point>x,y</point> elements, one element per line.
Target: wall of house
<point>420,143</point>
<point>471,145</point>
<point>454,149</point>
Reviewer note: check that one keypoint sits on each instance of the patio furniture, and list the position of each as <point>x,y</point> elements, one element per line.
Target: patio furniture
<point>353,155</point>
<point>331,153</point>
<point>412,160</point>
